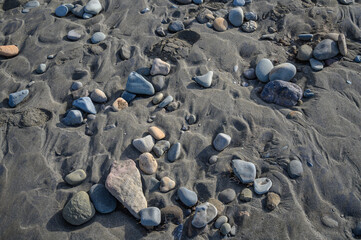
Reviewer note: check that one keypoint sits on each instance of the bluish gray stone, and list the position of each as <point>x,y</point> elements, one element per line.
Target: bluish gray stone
<point>78,10</point>
<point>221,141</point>
<point>93,7</point>
<point>204,80</point>
<point>284,71</point>
<point>158,82</point>
<point>73,35</point>
<point>32,4</point>
<point>326,49</point>
<point>73,118</point>
<point>225,228</point>
<point>188,197</point>
<point>282,93</point>
<point>150,217</point>
<point>145,10</point>
<point>262,185</point>
<point>103,201</point>
<point>176,26</point>
<point>61,11</point>
<point>263,69</point>
<point>98,37</point>
<point>17,97</point>
<point>304,53</point>
<point>25,10</point>
<point>236,16</point>
<point>198,1</point>
<point>41,68</point>
<point>220,221</point>
<point>295,169</point>
<point>166,101</point>
<point>137,84</point>
<point>305,37</point>
<point>346,2</point>
<point>239,2</point>
<point>358,59</point>
<point>308,93</point>
<point>87,15</point>
<point>204,214</point>
<point>76,85</point>
<point>250,74</point>
<point>160,147</point>
<point>227,195</point>
<point>174,152</point>
<point>127,96</point>
<point>250,16</point>
<point>85,104</point>
<point>144,144</point>
<point>316,65</point>
<point>245,171</point>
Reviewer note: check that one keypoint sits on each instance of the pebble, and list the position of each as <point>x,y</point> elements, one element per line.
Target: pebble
<point>204,214</point>
<point>273,199</point>
<point>342,46</point>
<point>85,104</point>
<point>304,53</point>
<point>158,82</point>
<point>166,184</point>
<point>295,169</point>
<point>220,24</point>
<point>166,101</point>
<point>9,51</point>
<point>98,37</point>
<point>236,16</point>
<point>25,10</point>
<point>329,222</point>
<point>103,201</point>
<point>78,10</point>
<point>52,56</point>
<point>144,144</point>
<point>357,229</point>
<point>262,185</point>
<point>128,97</point>
<point>156,132</point>
<point>233,230</point>
<point>160,31</point>
<point>346,2</point>
<point>157,98</point>
<point>245,171</point>
<point>220,221</point>
<point>93,7</point>
<point>98,96</point>
<point>161,147</point>
<point>173,106</point>
<point>172,214</point>
<point>61,11</point>
<point>250,16</point>
<point>246,195</point>
<point>125,184</point>
<point>263,69</point>
<point>174,152</point>
<point>119,104</point>
<point>358,59</point>
<point>147,163</point>
<point>221,141</point>
<point>145,10</point>
<point>227,195</point>
<point>87,15</point>
<point>305,37</point>
<point>239,2</point>
<point>73,118</point>
<point>76,86</point>
<point>250,74</point>
<point>282,93</point>
<point>17,97</point>
<point>249,26</point>
<point>213,159</point>
<point>184,1</point>
<point>137,84</point>
<point>316,65</point>
<point>284,71</point>
<point>176,26</point>
<point>188,197</point>
<point>326,49</point>
<point>308,93</point>
<point>150,217</point>
<point>79,209</point>
<point>125,52</point>
<point>332,36</point>
<point>203,15</point>
<point>76,177</point>
<point>159,67</point>
<point>73,35</point>
<point>32,4</point>
<point>204,80</point>
<point>198,1</point>
<point>41,68</point>
<point>226,228</point>
<point>191,119</point>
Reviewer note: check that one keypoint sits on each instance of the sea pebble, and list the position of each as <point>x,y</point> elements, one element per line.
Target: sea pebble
<point>203,15</point>
<point>85,104</point>
<point>308,93</point>
<point>145,10</point>
<point>51,56</point>
<point>98,96</point>
<point>128,97</point>
<point>191,119</point>
<point>227,195</point>
<point>246,195</point>
<point>204,80</point>
<point>172,106</point>
<point>239,2</point>
<point>125,52</point>
<point>282,93</point>
<point>174,152</point>
<point>326,49</point>
<point>159,67</point>
<point>32,4</point>
<point>73,35</point>
<point>61,11</point>
<point>249,26</point>
<point>9,51</point>
<point>166,184</point>
<point>158,98</point>
<point>41,68</point>
<point>103,201</point>
<point>245,171</point>
<point>161,147</point>
<point>160,31</point>
<point>79,209</point>
<point>98,37</point>
<point>233,230</point>
<point>221,141</point>
<point>93,7</point>
<point>125,184</point>
<point>346,2</point>
<point>144,144</point>
<point>220,24</point>
<point>250,74</point>
<point>156,132</point>
<point>17,97</point>
<point>305,36</point>
<point>78,10</point>
<point>137,84</point>
<point>316,65</point>
<point>250,16</point>
<point>273,199</point>
<point>73,118</point>
<point>119,104</point>
<point>188,197</point>
<point>158,82</point>
<point>176,26</point>
<point>147,163</point>
<point>198,1</point>
<point>166,101</point>
<point>225,228</point>
<point>184,1</point>
<point>204,214</point>
<point>295,169</point>
<point>262,185</point>
<point>263,69</point>
<point>342,46</point>
<point>284,71</point>
<point>76,177</point>
<point>220,221</point>
<point>304,53</point>
<point>213,159</point>
<point>150,217</point>
<point>87,15</point>
<point>236,16</point>
<point>76,85</point>
<point>358,59</point>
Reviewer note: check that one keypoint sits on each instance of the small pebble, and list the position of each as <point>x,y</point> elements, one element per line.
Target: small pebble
<point>73,35</point>
<point>213,159</point>
<point>76,177</point>
<point>119,104</point>
<point>188,197</point>
<point>98,96</point>
<point>308,93</point>
<point>76,85</point>
<point>221,141</point>
<point>227,195</point>
<point>358,59</point>
<point>156,132</point>
<point>147,163</point>
<point>246,195</point>
<point>61,11</point>
<point>150,217</point>
<point>174,152</point>
<point>249,26</point>
<point>191,119</point>
<point>226,228</point>
<point>250,16</point>
<point>97,37</point>
<point>166,184</point>
<point>145,10</point>
<point>41,68</point>
<point>273,199</point>
<point>165,102</point>
<point>305,37</point>
<point>176,26</point>
<point>17,97</point>
<point>262,185</point>
<point>220,221</point>
<point>157,98</point>
<point>220,24</point>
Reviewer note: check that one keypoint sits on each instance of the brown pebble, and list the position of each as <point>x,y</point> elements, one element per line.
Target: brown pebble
<point>147,163</point>
<point>166,184</point>
<point>119,104</point>
<point>9,51</point>
<point>294,115</point>
<point>172,214</point>
<point>342,46</point>
<point>273,199</point>
<point>220,24</point>
<point>156,132</point>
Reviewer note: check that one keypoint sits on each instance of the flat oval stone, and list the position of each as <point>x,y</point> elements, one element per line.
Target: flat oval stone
<point>262,185</point>
<point>161,147</point>
<point>174,152</point>
<point>246,195</point>
<point>316,65</point>
<point>225,228</point>
<point>103,201</point>
<point>176,26</point>
<point>282,93</point>
<point>93,7</point>
<point>79,209</point>
<point>250,74</point>
<point>236,16</point>
<point>156,132</point>
<point>166,102</point>
<point>245,171</point>
<point>76,177</point>
<point>61,11</point>
<point>98,96</point>
<point>85,104</point>
<point>144,144</point>
<point>119,104</point>
<point>305,37</point>
<point>87,15</point>
<point>73,35</point>
<point>326,49</point>
<point>284,71</point>
<point>188,197</point>
<point>9,51</point>
<point>159,67</point>
<point>137,84</point>
<point>239,3</point>
<point>220,24</point>
<point>204,214</point>
<point>221,141</point>
<point>304,53</point>
<point>98,37</point>
<point>204,80</point>
<point>166,184</point>
<point>150,217</point>
<point>273,199</point>
<point>220,221</point>
<point>158,98</point>
<point>17,97</point>
<point>227,195</point>
<point>295,169</point>
<point>263,69</point>
<point>73,118</point>
<point>78,10</point>
<point>147,163</point>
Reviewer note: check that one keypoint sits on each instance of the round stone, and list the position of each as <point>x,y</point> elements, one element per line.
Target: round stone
<point>245,171</point>
<point>236,16</point>
<point>98,37</point>
<point>227,195</point>
<point>188,197</point>
<point>150,217</point>
<point>213,159</point>
<point>326,49</point>
<point>250,74</point>
<point>176,26</point>
<point>249,26</point>
<point>220,24</point>
<point>246,195</point>
<point>316,65</point>
<point>61,11</point>
<point>73,35</point>
<point>262,185</point>
<point>191,119</point>
<point>79,209</point>
<point>76,177</point>
<point>119,104</point>
<point>98,96</point>
<point>76,85</point>
<point>147,163</point>
<point>93,7</point>
<point>273,199</point>
<point>284,72</point>
<point>263,69</point>
<point>158,98</point>
<point>41,68</point>
<point>221,141</point>
<point>295,169</point>
<point>166,184</point>
<point>220,221</point>
<point>103,201</point>
<point>239,2</point>
<point>304,53</point>
<point>156,132</point>
<point>226,228</point>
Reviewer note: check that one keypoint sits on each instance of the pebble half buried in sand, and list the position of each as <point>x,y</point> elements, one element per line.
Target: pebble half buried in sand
<point>9,51</point>
<point>103,201</point>
<point>204,214</point>
<point>204,80</point>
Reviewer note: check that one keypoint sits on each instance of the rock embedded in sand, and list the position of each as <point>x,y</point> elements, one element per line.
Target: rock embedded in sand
<point>295,169</point>
<point>150,217</point>
<point>76,177</point>
<point>73,118</point>
<point>9,51</point>
<point>204,80</point>
<point>221,141</point>
<point>159,67</point>
<point>184,1</point>
<point>174,152</point>
<point>346,2</point>
<point>166,101</point>
<point>161,147</point>
<point>156,132</point>
<point>220,24</point>
<point>32,4</point>
<point>203,14</point>
<point>147,163</point>
<point>262,185</point>
<point>227,195</point>
<point>188,197</point>
<point>213,159</point>
<point>329,222</point>
<point>304,53</point>
<point>78,10</point>
<point>236,16</point>
<point>97,37</point>
<point>284,71</point>
<point>204,214</point>
<point>41,68</point>
<point>160,31</point>
<point>125,52</point>
<point>137,84</point>
<point>176,26</point>
<point>61,11</point>
<point>249,26</point>
<point>250,16</point>
<point>158,82</point>
<point>103,201</point>
<point>239,3</point>
<point>225,228</point>
<point>76,86</point>
<point>220,221</point>
<point>73,35</point>
<point>157,98</point>
<point>128,97</point>
<point>245,171</point>
<point>342,46</point>
<point>119,104</point>
<point>282,93</point>
<point>79,209</point>
<point>191,119</point>
<point>273,199</point>
<point>173,106</point>
<point>326,49</point>
<point>85,104</point>
<point>250,74</point>
<point>263,69</point>
<point>144,144</point>
<point>305,36</point>
<point>172,214</point>
<point>93,7</point>
<point>98,96</point>
<point>125,184</point>
<point>246,195</point>
<point>316,65</point>
<point>17,97</point>
<point>166,184</point>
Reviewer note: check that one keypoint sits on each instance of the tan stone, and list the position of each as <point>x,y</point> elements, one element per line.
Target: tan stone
<point>166,184</point>
<point>273,199</point>
<point>156,132</point>
<point>98,96</point>
<point>9,51</point>
<point>159,67</point>
<point>147,163</point>
<point>342,46</point>
<point>220,24</point>
<point>119,104</point>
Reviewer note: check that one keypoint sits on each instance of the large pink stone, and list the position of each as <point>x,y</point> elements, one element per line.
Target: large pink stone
<point>124,183</point>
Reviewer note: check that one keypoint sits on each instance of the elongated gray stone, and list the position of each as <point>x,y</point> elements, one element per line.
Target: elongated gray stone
<point>166,102</point>
<point>17,97</point>
<point>262,185</point>
<point>326,49</point>
<point>137,84</point>
<point>85,104</point>
<point>245,171</point>
<point>188,197</point>
<point>263,69</point>
<point>204,214</point>
<point>204,80</point>
<point>174,152</point>
<point>144,144</point>
<point>284,71</point>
